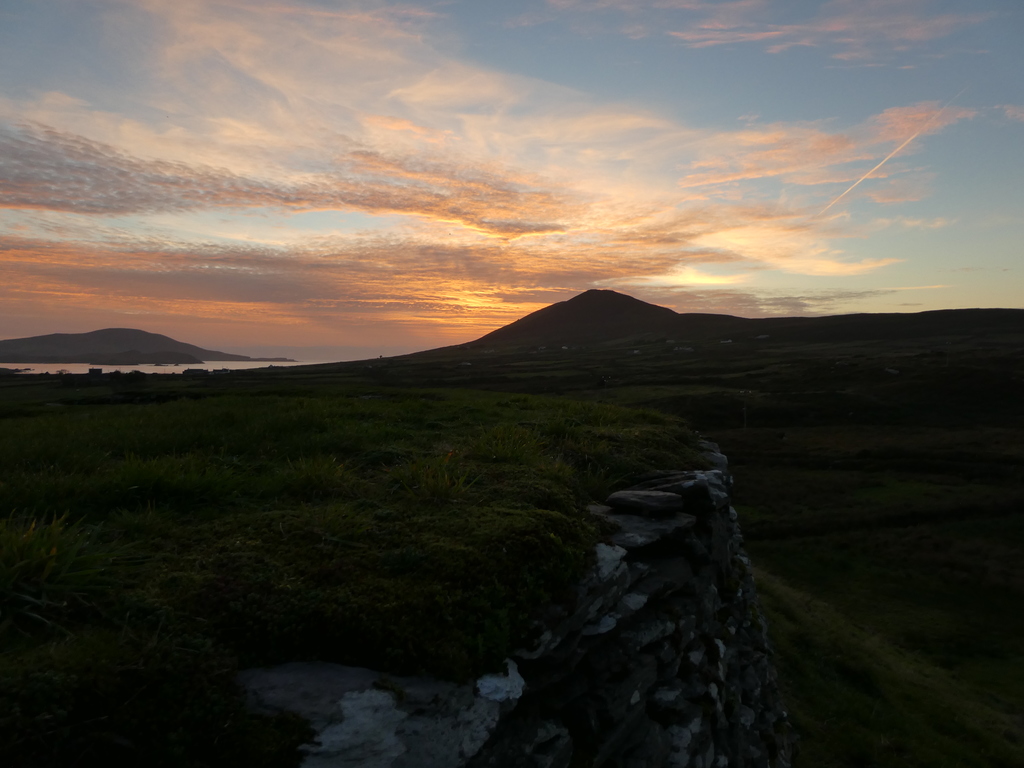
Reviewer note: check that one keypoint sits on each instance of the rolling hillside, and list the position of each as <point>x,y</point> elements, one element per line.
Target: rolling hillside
<point>602,317</point>
<point>110,346</point>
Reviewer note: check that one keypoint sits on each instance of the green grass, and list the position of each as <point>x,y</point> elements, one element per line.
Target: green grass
<point>410,531</point>
<point>857,699</point>
<point>884,513</point>
<point>50,566</point>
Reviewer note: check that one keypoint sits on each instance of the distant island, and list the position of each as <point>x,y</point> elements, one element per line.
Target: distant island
<point>116,346</point>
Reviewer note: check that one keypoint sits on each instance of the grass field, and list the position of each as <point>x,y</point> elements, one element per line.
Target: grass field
<point>152,549</point>
<point>881,491</point>
<point>884,511</point>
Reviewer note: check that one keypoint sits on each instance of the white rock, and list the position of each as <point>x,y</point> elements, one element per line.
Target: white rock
<point>364,737</point>
<point>608,559</point>
<point>433,724</point>
<point>502,687</point>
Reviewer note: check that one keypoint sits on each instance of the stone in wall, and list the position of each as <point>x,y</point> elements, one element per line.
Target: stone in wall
<point>662,660</point>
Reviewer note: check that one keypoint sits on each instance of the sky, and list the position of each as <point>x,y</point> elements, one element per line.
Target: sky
<point>362,178</point>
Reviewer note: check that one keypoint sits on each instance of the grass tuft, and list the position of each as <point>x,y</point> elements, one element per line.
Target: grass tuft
<point>508,443</point>
<point>46,566</point>
<point>433,479</point>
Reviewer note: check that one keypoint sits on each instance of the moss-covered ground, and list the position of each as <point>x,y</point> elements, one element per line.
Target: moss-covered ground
<point>883,512</point>
<point>154,548</point>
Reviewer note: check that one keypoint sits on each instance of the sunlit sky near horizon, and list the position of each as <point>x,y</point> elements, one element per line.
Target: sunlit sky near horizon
<point>377,176</point>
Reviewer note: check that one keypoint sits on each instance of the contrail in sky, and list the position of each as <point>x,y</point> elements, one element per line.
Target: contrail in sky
<point>891,154</point>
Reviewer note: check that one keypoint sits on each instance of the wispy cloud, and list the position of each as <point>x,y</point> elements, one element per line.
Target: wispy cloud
<point>41,168</point>
<point>855,31</point>
<point>940,222</point>
<point>807,154</point>
<point>1012,111</point>
<point>760,303</point>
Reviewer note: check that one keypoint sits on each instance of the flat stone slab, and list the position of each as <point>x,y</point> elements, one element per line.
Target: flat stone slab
<point>364,719</point>
<point>709,486</point>
<point>647,503</point>
<point>666,478</point>
<point>636,531</point>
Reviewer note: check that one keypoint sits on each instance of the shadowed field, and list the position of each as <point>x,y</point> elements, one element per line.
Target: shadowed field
<point>880,486</point>
<point>157,539</point>
<point>881,490</point>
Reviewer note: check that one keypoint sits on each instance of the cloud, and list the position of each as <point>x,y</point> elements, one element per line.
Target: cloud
<point>908,189</point>
<point>683,276</point>
<point>926,117</point>
<point>849,30</point>
<point>1013,111</point>
<point>454,286</point>
<point>759,152</point>
<point>41,168</point>
<point>754,303</point>
<point>250,174</point>
<point>47,170</point>
<point>939,222</point>
<point>807,154</point>
<point>856,31</point>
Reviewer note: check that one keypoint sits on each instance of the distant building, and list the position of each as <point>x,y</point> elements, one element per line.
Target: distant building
<point>95,372</point>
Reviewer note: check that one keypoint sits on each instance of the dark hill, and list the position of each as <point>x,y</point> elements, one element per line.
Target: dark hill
<point>893,326</point>
<point>596,317</point>
<point>592,317</point>
<point>110,346</point>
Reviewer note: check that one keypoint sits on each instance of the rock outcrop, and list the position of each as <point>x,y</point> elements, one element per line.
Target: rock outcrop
<point>662,660</point>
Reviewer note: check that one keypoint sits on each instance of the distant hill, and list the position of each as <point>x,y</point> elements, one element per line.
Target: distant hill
<point>593,316</point>
<point>600,316</point>
<point>112,346</point>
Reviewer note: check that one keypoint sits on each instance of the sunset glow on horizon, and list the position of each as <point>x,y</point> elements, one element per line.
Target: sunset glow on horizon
<point>259,175</point>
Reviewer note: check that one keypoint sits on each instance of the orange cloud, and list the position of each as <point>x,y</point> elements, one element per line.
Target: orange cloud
<point>399,124</point>
<point>926,117</point>
<point>770,151</point>
<point>44,169</point>
<point>806,155</point>
<point>353,300</point>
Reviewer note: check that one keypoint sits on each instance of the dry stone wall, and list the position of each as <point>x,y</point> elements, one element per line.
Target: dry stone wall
<point>661,661</point>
